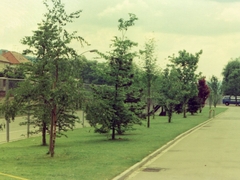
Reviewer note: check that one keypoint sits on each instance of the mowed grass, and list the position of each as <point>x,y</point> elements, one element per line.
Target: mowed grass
<point>86,155</point>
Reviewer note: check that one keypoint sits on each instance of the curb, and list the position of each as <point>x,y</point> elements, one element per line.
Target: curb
<point>138,165</point>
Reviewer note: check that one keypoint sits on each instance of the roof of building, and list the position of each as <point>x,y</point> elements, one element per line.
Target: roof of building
<point>3,59</point>
<point>14,57</point>
<point>20,57</point>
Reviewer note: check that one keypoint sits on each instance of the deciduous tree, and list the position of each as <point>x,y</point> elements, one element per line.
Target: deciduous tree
<point>50,86</point>
<point>186,66</point>
<point>231,78</point>
<point>169,94</point>
<point>215,91</point>
<point>150,72</point>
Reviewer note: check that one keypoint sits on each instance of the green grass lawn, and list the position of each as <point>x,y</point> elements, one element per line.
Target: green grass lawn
<point>86,155</point>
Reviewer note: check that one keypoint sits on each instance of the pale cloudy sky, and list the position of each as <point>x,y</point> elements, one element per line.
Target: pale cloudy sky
<point>210,25</point>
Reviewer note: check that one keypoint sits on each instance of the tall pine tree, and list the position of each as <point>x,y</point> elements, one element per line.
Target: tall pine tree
<point>122,101</point>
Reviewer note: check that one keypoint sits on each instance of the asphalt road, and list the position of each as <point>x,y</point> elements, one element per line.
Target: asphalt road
<point>211,152</point>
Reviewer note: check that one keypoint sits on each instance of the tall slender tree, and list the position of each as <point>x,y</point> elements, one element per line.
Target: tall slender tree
<point>215,87</point>
<point>122,98</point>
<point>150,72</point>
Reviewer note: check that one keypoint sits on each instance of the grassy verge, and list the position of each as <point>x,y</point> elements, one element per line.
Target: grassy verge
<point>88,156</point>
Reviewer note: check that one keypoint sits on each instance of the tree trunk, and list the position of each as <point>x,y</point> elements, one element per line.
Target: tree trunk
<point>148,111</point>
<point>169,117</point>
<point>119,129</point>
<point>7,131</point>
<point>51,134</point>
<point>44,130</point>
<point>184,111</point>
<point>53,131</point>
<point>153,115</point>
<point>113,130</point>
<point>169,112</point>
<point>54,119</point>
<point>114,107</point>
<point>54,116</point>
<point>148,104</point>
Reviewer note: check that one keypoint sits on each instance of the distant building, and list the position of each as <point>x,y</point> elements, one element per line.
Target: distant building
<point>3,62</point>
<point>9,58</point>
<point>14,57</point>
<point>7,84</point>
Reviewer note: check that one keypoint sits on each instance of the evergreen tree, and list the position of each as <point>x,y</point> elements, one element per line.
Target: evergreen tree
<point>122,99</point>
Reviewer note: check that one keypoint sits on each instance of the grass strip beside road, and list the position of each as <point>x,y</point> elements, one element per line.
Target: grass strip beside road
<point>86,155</point>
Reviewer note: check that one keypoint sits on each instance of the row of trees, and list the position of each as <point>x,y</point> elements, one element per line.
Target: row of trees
<point>121,93</point>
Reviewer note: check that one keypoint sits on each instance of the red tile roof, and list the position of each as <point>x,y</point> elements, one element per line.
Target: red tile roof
<point>3,59</point>
<point>14,57</point>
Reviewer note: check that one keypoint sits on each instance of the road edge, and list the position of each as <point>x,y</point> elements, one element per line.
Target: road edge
<point>138,165</point>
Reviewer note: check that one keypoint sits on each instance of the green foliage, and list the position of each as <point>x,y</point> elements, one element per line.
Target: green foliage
<point>231,78</point>
<point>125,24</point>
<point>13,72</point>
<point>99,108</point>
<point>149,59</point>
<point>139,76</point>
<point>186,66</point>
<point>169,94</point>
<point>90,72</point>
<point>121,100</point>
<point>9,108</point>
<point>215,91</point>
<point>86,156</point>
<point>50,87</point>
<point>149,73</point>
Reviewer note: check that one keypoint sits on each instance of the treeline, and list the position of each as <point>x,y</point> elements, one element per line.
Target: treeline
<point>115,94</point>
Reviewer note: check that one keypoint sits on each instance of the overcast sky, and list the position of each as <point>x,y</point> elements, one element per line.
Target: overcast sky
<point>209,25</point>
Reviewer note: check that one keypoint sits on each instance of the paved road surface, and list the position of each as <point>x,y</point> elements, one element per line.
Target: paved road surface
<point>211,152</point>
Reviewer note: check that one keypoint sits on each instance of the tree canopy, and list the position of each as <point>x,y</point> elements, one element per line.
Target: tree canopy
<point>186,65</point>
<point>169,94</point>
<point>149,72</point>
<point>231,78</point>
<point>203,92</point>
<point>50,87</point>
<point>121,99</point>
